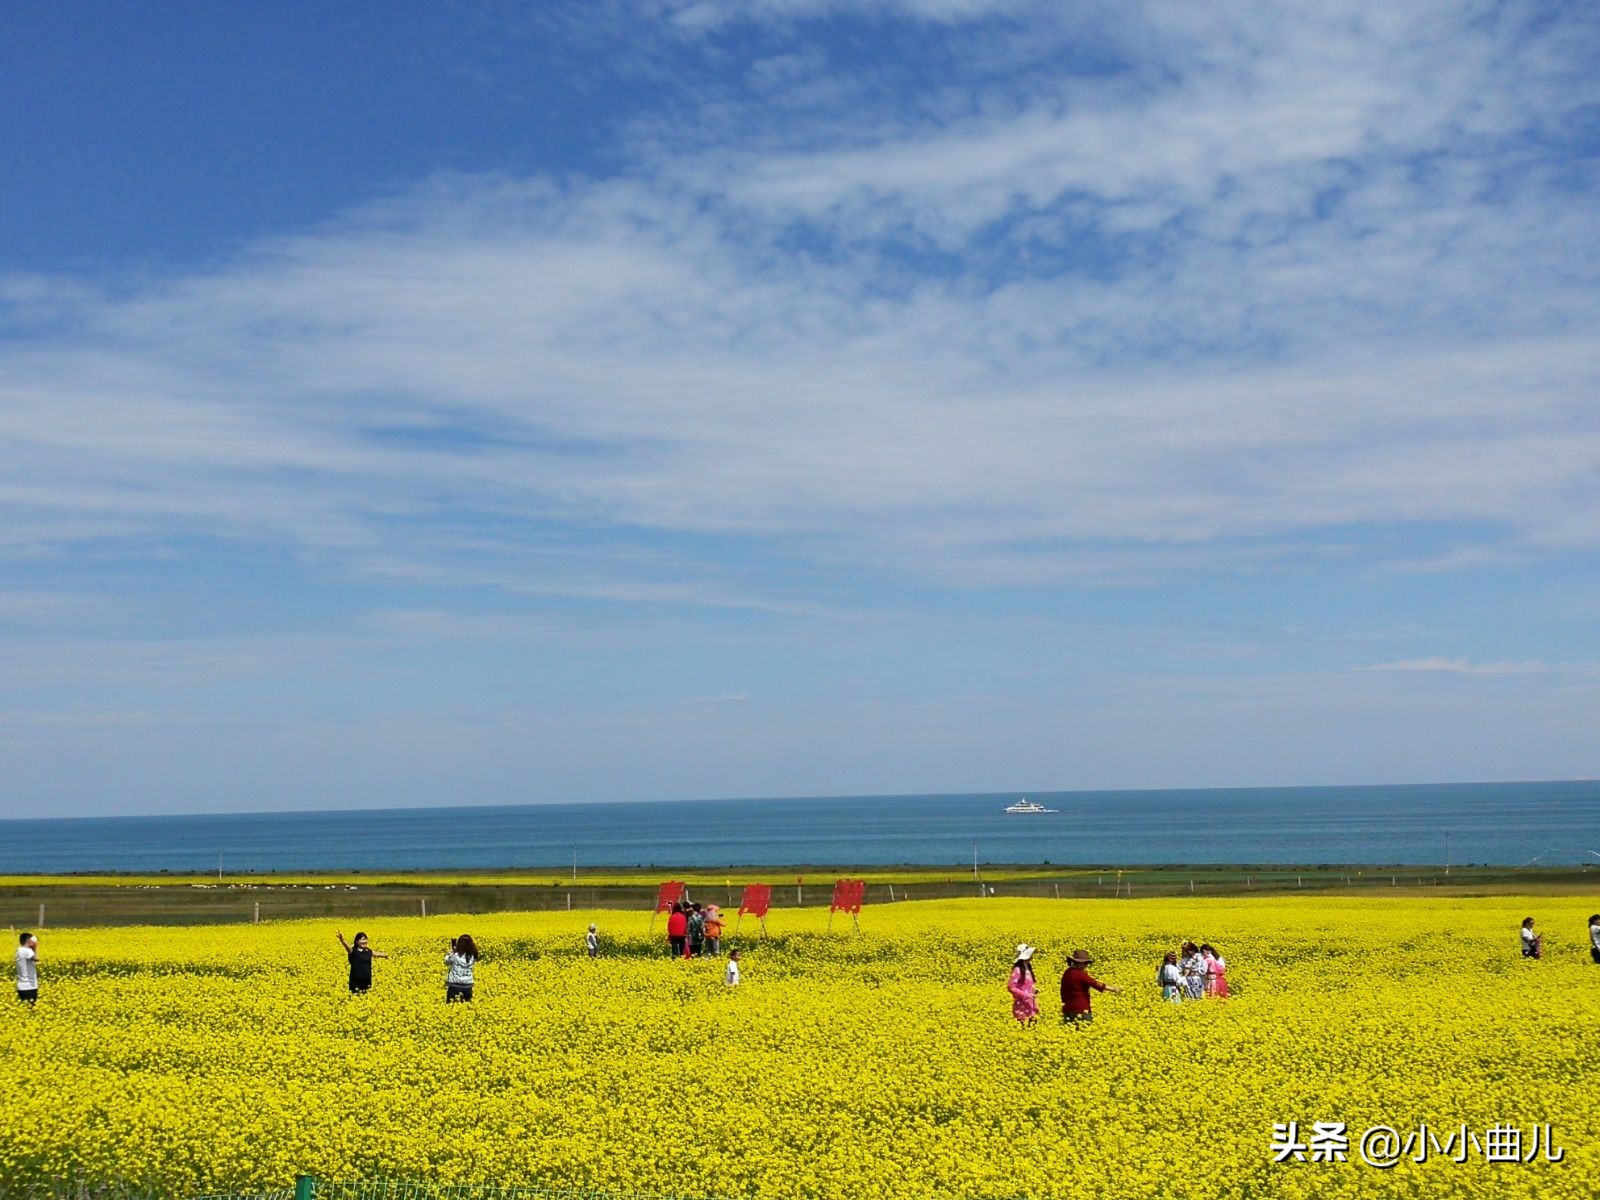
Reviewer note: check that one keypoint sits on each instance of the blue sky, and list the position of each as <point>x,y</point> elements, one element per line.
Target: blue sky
<point>418,404</point>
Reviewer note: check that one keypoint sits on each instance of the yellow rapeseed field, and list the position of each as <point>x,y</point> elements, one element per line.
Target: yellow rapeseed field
<point>879,1064</point>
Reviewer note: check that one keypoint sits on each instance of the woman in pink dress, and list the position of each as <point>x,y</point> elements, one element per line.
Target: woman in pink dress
<point>1216,972</point>
<point>1024,1003</point>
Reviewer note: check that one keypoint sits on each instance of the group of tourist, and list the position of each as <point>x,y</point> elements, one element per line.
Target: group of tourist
<point>1192,972</point>
<point>462,958</point>
<point>693,930</point>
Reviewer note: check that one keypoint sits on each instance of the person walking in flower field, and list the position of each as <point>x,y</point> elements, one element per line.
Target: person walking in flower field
<point>360,955</point>
<point>1216,972</point>
<point>1532,943</point>
<point>730,974</point>
<point>458,965</point>
<point>678,932</point>
<point>713,930</point>
<point>1192,967</point>
<point>695,928</point>
<point>1023,988</point>
<point>1076,985</point>
<point>1170,978</point>
<point>1594,938</point>
<point>591,941</point>
<point>28,968</point>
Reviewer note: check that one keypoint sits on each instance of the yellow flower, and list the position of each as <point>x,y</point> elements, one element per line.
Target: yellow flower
<point>884,1064</point>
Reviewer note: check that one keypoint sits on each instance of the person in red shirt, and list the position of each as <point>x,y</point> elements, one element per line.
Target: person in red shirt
<point>1076,984</point>
<point>677,931</point>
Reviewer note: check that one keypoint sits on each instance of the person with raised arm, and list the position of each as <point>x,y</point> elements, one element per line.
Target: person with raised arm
<point>360,955</point>
<point>1076,986</point>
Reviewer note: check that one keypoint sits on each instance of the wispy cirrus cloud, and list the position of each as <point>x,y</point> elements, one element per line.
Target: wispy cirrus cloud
<point>1452,666</point>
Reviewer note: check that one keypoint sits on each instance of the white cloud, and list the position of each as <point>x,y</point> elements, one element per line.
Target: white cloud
<point>1454,666</point>
<point>1171,359</point>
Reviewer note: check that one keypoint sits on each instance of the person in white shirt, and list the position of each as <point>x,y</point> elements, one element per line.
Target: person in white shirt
<point>731,975</point>
<point>1594,938</point>
<point>28,969</point>
<point>1170,977</point>
<point>1532,943</point>
<point>591,941</point>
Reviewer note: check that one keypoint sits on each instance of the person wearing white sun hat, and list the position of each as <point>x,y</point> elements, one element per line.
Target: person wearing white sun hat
<point>1021,985</point>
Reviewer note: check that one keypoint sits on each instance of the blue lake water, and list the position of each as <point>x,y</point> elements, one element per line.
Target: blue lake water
<point>1499,823</point>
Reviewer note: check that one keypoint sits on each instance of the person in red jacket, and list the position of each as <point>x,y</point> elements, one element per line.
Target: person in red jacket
<point>1076,984</point>
<point>677,931</point>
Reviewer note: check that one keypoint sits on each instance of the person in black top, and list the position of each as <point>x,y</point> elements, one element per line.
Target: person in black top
<point>696,931</point>
<point>361,956</point>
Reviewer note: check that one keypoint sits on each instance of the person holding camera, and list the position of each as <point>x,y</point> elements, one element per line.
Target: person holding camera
<point>458,966</point>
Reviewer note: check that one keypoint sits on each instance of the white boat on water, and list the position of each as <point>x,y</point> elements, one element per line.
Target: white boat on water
<point>1028,806</point>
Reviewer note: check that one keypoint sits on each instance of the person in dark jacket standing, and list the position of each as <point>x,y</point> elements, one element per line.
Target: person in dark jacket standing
<point>1076,984</point>
<point>360,955</point>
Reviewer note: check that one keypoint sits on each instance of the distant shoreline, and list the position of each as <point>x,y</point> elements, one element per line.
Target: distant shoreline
<point>631,875</point>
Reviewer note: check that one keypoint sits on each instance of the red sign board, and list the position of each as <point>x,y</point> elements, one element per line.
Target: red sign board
<point>671,892</point>
<point>756,900</point>
<point>848,895</point>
